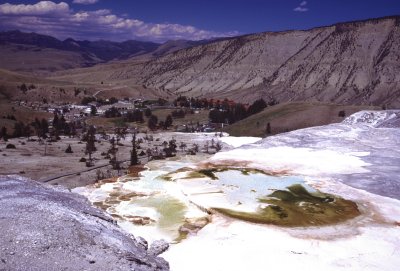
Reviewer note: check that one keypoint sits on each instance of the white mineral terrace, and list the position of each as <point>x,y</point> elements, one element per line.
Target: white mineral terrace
<point>358,160</point>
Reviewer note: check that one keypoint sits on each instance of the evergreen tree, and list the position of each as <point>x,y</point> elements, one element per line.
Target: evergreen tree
<point>152,122</point>
<point>23,88</point>
<point>168,121</point>
<point>134,157</point>
<point>3,133</point>
<point>69,149</point>
<point>90,143</point>
<point>147,112</point>
<point>113,151</point>
<point>93,110</point>
<point>18,129</point>
<point>268,129</point>
<point>256,107</point>
<point>44,126</point>
<point>56,122</point>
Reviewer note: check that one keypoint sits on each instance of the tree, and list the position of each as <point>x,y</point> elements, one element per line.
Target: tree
<point>112,113</point>
<point>56,126</point>
<point>147,112</point>
<point>90,143</point>
<point>44,126</point>
<point>218,146</point>
<point>113,151</point>
<point>3,133</point>
<point>268,129</point>
<point>161,102</point>
<point>93,110</point>
<point>23,88</point>
<point>256,107</point>
<point>113,100</point>
<point>169,148</point>
<point>183,146</point>
<point>134,116</point>
<point>120,132</point>
<point>27,131</point>
<point>152,122</point>
<point>86,100</point>
<point>134,157</point>
<point>18,129</point>
<point>168,121</point>
<point>195,147</point>
<point>69,149</point>
<point>206,146</point>
<point>178,113</point>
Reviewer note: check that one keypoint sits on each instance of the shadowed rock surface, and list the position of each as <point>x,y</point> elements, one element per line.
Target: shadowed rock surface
<point>46,228</point>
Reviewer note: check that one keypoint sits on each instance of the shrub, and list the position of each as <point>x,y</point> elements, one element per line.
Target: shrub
<point>69,149</point>
<point>10,146</point>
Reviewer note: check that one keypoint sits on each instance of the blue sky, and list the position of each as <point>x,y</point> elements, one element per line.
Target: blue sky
<point>161,20</point>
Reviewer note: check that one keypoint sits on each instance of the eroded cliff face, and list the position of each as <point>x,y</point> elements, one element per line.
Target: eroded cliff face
<point>351,63</point>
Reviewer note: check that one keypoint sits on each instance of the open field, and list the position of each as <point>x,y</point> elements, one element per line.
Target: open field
<point>292,116</point>
<point>29,159</point>
<point>43,162</point>
<point>21,113</point>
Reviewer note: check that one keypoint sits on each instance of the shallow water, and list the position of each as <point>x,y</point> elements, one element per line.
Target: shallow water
<point>250,186</point>
<point>253,196</point>
<point>147,206</point>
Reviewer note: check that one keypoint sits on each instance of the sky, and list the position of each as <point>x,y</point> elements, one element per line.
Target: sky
<point>162,20</point>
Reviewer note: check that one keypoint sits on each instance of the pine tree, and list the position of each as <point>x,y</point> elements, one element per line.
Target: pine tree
<point>93,110</point>
<point>113,151</point>
<point>147,112</point>
<point>90,143</point>
<point>3,133</point>
<point>268,129</point>
<point>152,122</point>
<point>134,157</point>
<point>168,121</point>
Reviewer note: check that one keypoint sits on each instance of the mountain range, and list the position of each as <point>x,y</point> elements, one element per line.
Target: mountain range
<point>348,63</point>
<point>25,50</point>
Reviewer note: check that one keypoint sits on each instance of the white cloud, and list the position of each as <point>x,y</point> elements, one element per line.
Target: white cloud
<point>40,8</point>
<point>302,7</point>
<point>98,24</point>
<point>85,2</point>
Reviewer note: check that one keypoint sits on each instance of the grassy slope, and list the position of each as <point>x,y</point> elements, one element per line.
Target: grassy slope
<point>292,116</point>
<point>21,113</point>
<point>28,58</point>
